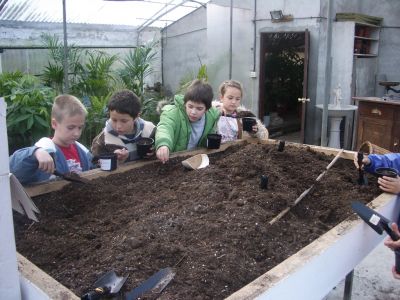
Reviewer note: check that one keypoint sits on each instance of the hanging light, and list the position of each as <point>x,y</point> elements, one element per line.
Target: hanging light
<point>278,16</point>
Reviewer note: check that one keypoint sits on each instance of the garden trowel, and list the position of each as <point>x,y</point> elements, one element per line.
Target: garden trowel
<point>107,285</point>
<point>378,223</point>
<point>152,286</point>
<point>69,176</point>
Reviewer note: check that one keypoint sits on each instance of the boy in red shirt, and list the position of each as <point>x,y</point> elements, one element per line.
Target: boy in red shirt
<point>36,163</point>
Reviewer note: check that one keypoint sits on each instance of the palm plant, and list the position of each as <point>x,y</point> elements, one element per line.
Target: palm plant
<point>53,74</point>
<point>95,77</point>
<point>137,66</point>
<point>188,78</point>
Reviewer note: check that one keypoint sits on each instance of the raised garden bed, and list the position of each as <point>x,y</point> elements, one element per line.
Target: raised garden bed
<point>214,221</point>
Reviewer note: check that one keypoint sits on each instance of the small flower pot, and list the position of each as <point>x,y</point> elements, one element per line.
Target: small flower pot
<point>248,124</point>
<point>144,146</point>
<point>281,146</point>
<point>108,162</point>
<point>214,141</point>
<point>264,182</point>
<point>389,172</point>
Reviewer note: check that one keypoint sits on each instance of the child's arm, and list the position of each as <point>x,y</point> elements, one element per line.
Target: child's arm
<point>391,160</point>
<point>165,134</point>
<point>31,164</point>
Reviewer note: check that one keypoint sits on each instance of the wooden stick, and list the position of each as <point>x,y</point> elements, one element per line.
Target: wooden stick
<point>307,191</point>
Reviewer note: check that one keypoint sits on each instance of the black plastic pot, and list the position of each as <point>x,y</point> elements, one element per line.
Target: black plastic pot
<point>281,146</point>
<point>144,146</point>
<point>389,172</point>
<point>108,162</point>
<point>248,124</point>
<point>214,141</point>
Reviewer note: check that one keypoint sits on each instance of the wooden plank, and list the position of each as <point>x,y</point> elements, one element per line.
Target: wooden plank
<point>51,186</point>
<point>44,188</point>
<point>36,284</point>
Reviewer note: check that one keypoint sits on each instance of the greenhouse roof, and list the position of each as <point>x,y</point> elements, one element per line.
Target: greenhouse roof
<point>140,13</point>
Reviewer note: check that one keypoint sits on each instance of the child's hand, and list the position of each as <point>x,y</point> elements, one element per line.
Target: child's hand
<point>394,245</point>
<point>46,162</point>
<point>365,160</point>
<point>163,154</point>
<point>122,154</point>
<point>395,274</point>
<point>389,184</point>
<point>254,128</point>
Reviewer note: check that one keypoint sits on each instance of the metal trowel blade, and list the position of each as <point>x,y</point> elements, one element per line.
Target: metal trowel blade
<point>155,284</point>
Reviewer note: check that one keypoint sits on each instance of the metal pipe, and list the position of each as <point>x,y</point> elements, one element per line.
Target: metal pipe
<point>65,62</point>
<point>255,35</point>
<point>156,16</point>
<point>328,76</point>
<point>348,286</point>
<point>230,40</point>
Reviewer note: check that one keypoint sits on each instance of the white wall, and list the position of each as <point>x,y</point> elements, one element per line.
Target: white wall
<point>218,49</point>
<point>20,42</point>
<point>9,277</point>
<point>184,47</point>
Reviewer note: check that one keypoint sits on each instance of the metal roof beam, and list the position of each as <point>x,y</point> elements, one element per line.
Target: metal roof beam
<point>156,16</point>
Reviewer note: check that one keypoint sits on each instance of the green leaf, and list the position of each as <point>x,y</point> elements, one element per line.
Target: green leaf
<point>29,123</point>
<point>41,121</point>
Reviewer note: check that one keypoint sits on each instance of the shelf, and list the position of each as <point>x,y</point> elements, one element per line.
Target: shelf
<point>365,38</point>
<point>368,25</point>
<point>365,55</point>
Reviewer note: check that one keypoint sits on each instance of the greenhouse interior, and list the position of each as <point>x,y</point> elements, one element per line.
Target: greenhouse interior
<point>114,187</point>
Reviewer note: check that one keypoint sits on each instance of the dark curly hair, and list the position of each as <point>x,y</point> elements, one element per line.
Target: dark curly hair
<point>125,102</point>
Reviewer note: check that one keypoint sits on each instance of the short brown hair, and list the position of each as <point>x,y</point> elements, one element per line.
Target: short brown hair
<point>199,91</point>
<point>67,105</point>
<point>230,83</point>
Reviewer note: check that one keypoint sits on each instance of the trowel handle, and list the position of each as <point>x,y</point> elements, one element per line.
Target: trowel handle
<point>360,157</point>
<point>387,227</point>
<point>96,294</point>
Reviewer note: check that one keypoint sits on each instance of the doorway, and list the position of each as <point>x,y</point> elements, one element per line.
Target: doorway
<point>283,81</point>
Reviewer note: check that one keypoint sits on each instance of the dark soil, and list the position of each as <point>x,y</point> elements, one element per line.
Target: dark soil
<point>211,225</point>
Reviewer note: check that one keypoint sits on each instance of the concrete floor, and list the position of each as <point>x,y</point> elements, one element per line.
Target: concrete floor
<point>373,278</point>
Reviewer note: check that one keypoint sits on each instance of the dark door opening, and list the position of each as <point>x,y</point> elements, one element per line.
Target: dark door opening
<point>283,80</point>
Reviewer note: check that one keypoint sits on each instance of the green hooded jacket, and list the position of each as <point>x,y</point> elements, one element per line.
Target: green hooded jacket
<point>174,128</point>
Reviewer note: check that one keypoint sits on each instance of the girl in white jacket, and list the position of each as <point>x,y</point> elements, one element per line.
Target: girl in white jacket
<point>230,124</point>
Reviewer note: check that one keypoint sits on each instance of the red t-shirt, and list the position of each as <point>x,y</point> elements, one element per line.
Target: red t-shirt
<point>72,156</point>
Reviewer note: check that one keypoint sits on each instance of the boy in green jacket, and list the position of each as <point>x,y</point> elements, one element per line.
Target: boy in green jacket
<point>186,124</point>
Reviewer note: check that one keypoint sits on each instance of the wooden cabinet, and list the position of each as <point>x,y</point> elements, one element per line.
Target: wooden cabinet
<point>379,123</point>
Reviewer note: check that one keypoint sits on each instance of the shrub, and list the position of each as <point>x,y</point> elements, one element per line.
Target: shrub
<point>28,110</point>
